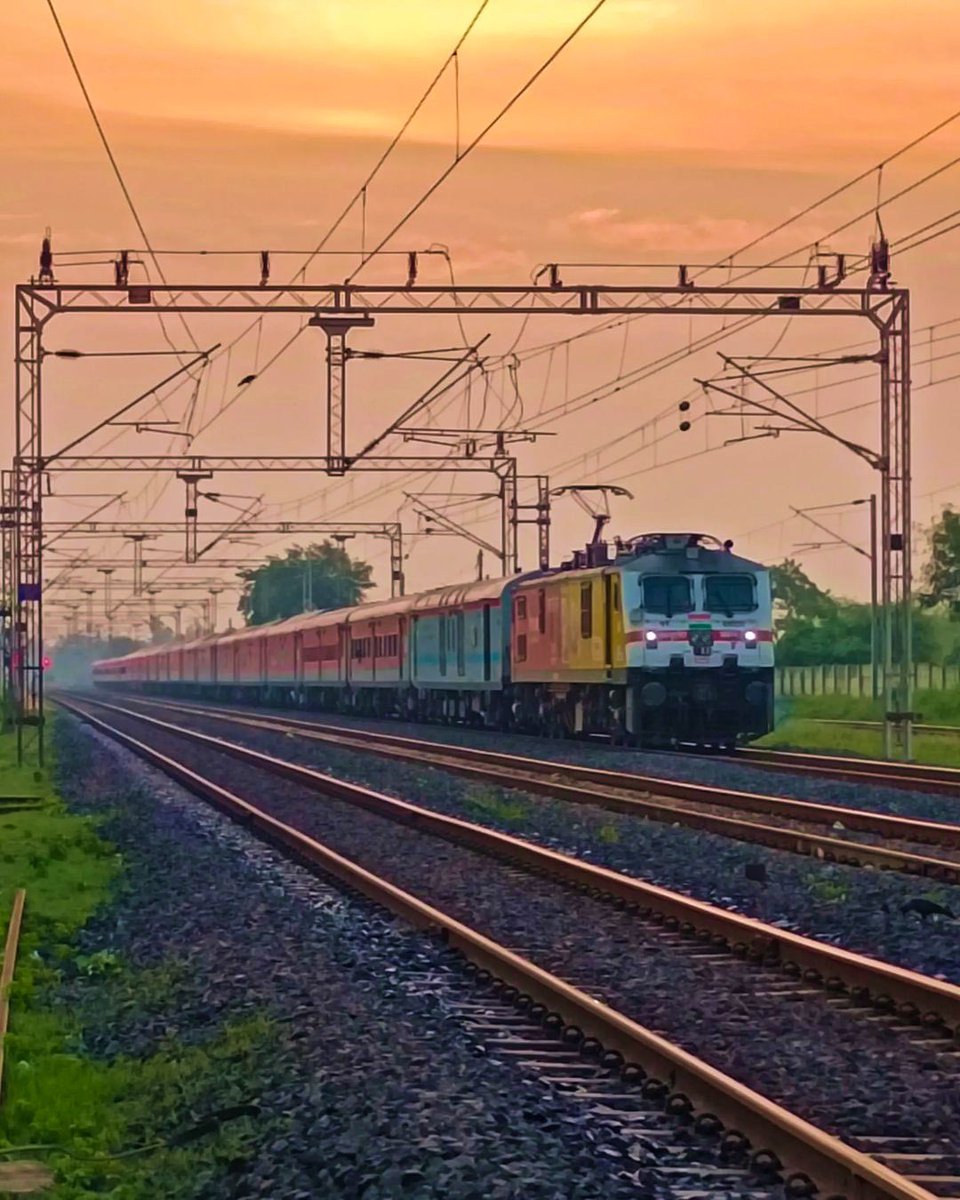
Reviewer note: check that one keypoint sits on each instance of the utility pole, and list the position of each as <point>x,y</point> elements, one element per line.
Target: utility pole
<point>872,556</point>
<point>192,480</point>
<point>89,593</point>
<point>336,329</point>
<point>106,572</point>
<point>73,620</point>
<point>178,617</point>
<point>212,609</point>
<point>138,539</point>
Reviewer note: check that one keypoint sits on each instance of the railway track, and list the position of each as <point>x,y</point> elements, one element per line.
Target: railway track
<point>877,726</point>
<point>904,1003</point>
<point>943,781</point>
<point>791,825</point>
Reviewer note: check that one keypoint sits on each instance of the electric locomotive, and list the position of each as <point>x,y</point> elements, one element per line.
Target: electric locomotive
<point>667,641</point>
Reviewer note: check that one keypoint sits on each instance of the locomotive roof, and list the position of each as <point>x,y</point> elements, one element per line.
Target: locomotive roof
<point>705,559</point>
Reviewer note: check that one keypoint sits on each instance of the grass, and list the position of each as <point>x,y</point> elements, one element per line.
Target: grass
<point>488,803</point>
<point>936,707</point>
<point>798,734</point>
<point>87,1115</point>
<point>799,727</point>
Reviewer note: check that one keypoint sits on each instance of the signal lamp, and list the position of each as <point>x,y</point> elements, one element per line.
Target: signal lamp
<point>650,637</point>
<point>750,637</point>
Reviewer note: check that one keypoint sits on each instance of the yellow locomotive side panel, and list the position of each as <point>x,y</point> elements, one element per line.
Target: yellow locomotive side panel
<point>584,637</point>
<point>618,641</point>
<point>582,625</point>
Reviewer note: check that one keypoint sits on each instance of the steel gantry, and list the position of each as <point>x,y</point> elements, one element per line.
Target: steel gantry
<point>138,532</point>
<point>338,307</point>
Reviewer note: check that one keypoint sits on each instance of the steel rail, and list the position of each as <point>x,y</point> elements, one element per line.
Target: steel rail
<point>943,781</point>
<point>877,726</point>
<point>805,1151</point>
<point>913,995</point>
<point>568,782</point>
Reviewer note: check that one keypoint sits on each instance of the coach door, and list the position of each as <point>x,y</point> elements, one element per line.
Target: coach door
<point>298,658</point>
<point>608,603</point>
<point>487,672</point>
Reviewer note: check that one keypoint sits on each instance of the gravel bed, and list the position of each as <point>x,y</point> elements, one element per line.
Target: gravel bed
<point>847,1075</point>
<point>854,907</point>
<point>693,768</point>
<point>376,1091</point>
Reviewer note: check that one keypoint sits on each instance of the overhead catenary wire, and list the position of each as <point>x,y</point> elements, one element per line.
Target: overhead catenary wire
<point>112,159</point>
<point>472,145</point>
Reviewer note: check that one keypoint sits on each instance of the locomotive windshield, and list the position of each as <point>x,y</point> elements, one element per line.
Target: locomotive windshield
<point>730,594</point>
<point>667,594</point>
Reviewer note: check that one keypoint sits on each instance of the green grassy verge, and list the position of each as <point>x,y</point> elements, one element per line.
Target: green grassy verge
<point>800,734</point>
<point>799,726</point>
<point>935,707</point>
<point>87,1115</point>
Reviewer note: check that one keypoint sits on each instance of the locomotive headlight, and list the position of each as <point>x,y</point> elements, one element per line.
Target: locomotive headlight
<point>750,638</point>
<point>651,638</point>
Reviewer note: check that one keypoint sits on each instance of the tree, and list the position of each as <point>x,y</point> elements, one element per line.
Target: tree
<point>318,576</point>
<point>797,596</point>
<point>160,633</point>
<point>941,573</point>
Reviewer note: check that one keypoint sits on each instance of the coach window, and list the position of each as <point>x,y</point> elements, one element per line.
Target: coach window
<point>542,611</point>
<point>586,610</point>
<point>521,608</point>
<point>521,647</point>
<point>461,645</point>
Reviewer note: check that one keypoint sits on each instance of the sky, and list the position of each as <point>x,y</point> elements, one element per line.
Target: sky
<point>669,131</point>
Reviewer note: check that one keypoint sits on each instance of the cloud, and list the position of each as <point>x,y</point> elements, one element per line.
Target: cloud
<point>612,227</point>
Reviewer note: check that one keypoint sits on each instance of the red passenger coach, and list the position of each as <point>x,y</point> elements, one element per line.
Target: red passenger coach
<point>281,644</point>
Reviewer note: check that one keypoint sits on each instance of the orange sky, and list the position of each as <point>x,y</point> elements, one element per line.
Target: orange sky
<point>671,130</point>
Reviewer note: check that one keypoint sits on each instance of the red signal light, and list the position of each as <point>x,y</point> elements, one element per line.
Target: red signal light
<point>46,662</point>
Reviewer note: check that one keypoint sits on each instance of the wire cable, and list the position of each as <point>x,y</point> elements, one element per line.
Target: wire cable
<point>472,145</point>
<point>361,190</point>
<point>115,166</point>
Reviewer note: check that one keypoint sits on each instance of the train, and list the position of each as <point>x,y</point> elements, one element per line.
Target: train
<point>663,639</point>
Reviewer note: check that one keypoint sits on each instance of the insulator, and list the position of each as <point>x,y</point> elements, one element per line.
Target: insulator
<point>264,267</point>
<point>880,257</point>
<point>412,268</point>
<point>46,260</point>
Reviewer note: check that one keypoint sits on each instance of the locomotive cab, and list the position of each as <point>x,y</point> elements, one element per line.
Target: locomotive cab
<point>699,635</point>
<point>669,643</point>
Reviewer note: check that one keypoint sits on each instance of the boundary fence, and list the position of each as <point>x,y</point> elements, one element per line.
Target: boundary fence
<point>856,679</point>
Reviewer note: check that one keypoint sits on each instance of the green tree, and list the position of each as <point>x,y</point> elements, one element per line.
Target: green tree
<point>160,633</point>
<point>941,573</point>
<point>318,576</point>
<point>797,596</point>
